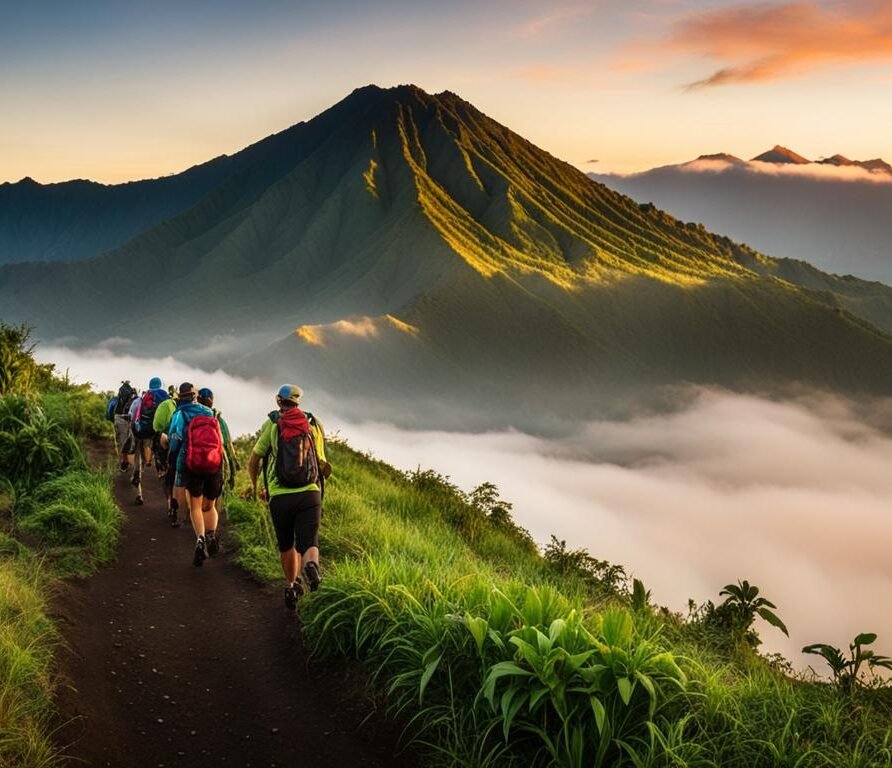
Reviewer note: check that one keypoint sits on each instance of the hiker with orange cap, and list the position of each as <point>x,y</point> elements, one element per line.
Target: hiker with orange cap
<point>291,453</point>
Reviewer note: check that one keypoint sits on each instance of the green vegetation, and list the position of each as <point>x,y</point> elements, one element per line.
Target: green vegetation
<point>493,654</point>
<point>57,518</point>
<point>848,672</point>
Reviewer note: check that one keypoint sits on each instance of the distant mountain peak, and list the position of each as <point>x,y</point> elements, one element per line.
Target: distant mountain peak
<point>781,154</point>
<point>724,157</point>
<point>840,160</point>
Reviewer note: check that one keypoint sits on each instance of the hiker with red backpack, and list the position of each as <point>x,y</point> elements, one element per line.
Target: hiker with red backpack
<point>196,450</point>
<point>230,459</point>
<point>291,453</point>
<point>142,415</point>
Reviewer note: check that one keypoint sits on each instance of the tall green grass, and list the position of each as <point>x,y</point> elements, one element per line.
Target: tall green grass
<point>27,638</point>
<point>57,518</point>
<point>495,655</point>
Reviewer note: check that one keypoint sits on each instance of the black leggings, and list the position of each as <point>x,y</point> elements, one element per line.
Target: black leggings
<point>296,519</point>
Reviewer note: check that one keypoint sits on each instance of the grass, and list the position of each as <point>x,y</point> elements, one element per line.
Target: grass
<point>495,655</point>
<point>57,518</point>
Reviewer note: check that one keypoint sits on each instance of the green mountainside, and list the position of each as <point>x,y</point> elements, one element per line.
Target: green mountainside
<point>417,249</point>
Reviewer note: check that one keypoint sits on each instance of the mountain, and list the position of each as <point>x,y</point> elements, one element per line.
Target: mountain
<point>416,259</point>
<point>73,220</point>
<point>834,219</point>
<point>781,154</point>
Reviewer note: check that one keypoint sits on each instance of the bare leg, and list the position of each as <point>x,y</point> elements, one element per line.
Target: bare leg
<point>290,565</point>
<point>312,555</point>
<point>196,514</point>
<point>209,513</point>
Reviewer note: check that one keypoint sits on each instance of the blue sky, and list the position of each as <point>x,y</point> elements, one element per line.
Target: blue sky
<point>116,91</point>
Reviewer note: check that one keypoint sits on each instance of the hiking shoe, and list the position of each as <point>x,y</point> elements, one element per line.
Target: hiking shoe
<point>292,594</point>
<point>213,546</point>
<point>201,552</point>
<point>134,481</point>
<point>124,465</point>
<point>314,578</point>
<point>173,513</point>
<point>139,500</point>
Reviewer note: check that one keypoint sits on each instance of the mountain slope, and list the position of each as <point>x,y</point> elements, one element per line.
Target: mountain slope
<point>835,221</point>
<point>413,247</point>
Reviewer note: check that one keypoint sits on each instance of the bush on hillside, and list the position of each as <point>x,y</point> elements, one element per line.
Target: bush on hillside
<point>33,447</point>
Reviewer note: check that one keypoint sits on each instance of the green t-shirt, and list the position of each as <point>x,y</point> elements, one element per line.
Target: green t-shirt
<point>163,415</point>
<point>268,444</point>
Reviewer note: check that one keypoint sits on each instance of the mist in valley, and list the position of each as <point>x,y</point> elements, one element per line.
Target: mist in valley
<point>792,495</point>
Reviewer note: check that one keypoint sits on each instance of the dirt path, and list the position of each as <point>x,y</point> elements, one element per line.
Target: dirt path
<point>172,665</point>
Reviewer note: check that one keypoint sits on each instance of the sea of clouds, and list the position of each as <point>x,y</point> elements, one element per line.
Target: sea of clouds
<point>793,495</point>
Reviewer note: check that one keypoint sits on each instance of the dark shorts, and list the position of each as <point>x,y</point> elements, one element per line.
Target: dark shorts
<point>296,519</point>
<point>209,486</point>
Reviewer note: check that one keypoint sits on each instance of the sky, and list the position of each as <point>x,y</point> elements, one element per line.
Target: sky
<point>730,503</point>
<point>119,91</point>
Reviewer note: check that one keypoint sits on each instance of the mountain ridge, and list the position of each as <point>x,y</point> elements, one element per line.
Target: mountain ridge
<point>428,247</point>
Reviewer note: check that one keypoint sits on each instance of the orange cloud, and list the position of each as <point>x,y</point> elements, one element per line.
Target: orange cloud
<point>769,42</point>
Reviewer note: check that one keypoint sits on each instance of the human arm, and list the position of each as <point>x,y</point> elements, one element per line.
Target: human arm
<point>319,441</point>
<point>261,449</point>
<point>253,474</point>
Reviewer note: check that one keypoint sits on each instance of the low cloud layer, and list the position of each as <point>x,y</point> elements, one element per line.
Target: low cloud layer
<point>792,495</point>
<point>816,171</point>
<point>758,42</point>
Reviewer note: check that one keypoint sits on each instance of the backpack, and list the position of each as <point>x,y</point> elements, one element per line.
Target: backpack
<point>296,462</point>
<point>110,409</point>
<point>125,397</point>
<point>145,414</point>
<point>204,445</point>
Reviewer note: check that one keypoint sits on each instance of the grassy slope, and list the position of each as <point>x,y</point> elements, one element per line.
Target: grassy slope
<point>61,520</point>
<point>427,593</point>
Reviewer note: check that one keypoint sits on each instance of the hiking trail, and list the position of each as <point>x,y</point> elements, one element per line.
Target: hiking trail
<point>164,664</point>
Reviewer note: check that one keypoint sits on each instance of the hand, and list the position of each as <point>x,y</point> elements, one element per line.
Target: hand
<point>325,470</point>
<point>262,494</point>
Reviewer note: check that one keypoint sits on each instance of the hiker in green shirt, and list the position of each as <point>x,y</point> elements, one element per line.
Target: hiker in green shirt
<point>291,453</point>
<point>161,424</point>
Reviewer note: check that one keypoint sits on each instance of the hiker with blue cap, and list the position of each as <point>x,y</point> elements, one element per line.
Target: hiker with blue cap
<point>142,416</point>
<point>291,453</point>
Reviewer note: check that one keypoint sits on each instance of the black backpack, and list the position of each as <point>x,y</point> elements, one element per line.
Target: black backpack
<point>296,462</point>
<point>126,393</point>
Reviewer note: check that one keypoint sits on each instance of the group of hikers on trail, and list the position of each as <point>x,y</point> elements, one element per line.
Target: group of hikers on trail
<point>187,439</point>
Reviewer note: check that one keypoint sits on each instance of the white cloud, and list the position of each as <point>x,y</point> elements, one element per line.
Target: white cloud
<point>793,495</point>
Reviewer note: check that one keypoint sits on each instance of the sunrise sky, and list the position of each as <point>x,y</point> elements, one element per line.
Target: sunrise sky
<point>117,91</point>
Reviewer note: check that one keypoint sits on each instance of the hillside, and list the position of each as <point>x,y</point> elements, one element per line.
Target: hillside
<point>834,220</point>
<point>73,220</point>
<point>416,249</point>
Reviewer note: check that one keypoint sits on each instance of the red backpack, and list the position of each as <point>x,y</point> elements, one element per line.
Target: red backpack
<point>204,445</point>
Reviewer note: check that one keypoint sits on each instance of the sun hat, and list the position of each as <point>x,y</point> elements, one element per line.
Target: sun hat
<point>289,393</point>
<point>186,391</point>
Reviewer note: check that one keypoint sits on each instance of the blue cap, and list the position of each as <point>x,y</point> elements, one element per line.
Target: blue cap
<point>290,393</point>
<point>155,383</point>
<point>206,393</point>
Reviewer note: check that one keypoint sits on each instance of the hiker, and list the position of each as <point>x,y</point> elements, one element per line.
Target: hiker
<point>121,417</point>
<point>230,460</point>
<point>161,424</point>
<point>196,448</point>
<point>291,449</point>
<point>142,415</point>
